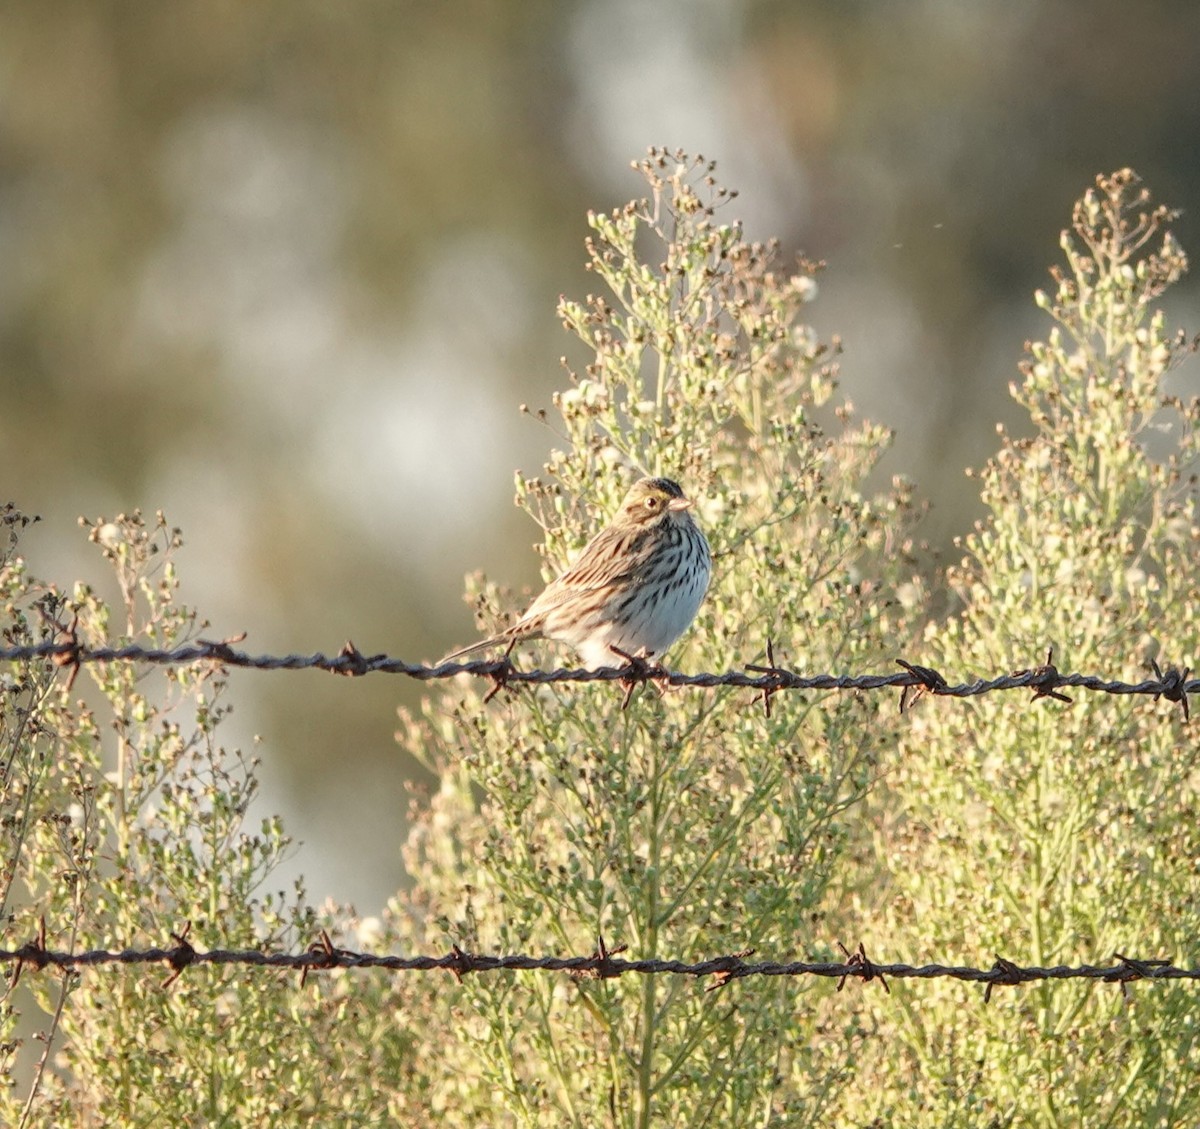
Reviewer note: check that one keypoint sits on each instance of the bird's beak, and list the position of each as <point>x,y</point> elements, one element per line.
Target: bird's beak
<point>679,504</point>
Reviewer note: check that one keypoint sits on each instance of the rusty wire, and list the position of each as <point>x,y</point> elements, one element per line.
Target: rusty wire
<point>602,964</point>
<point>914,681</point>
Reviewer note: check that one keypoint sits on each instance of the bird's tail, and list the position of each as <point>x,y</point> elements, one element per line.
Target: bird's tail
<point>482,645</point>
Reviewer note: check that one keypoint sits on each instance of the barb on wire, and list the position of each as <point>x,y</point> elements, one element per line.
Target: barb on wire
<point>1045,680</point>
<point>604,963</point>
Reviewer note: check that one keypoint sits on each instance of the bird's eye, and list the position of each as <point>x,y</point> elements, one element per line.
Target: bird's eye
<point>651,503</point>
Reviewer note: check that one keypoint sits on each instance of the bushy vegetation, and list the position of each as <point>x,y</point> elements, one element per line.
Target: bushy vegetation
<point>1062,832</point>
<point>693,823</point>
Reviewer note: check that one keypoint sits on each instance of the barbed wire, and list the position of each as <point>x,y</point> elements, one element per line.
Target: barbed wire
<point>1044,680</point>
<point>603,964</point>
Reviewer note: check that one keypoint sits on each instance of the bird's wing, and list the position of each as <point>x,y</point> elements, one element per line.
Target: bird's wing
<point>604,563</point>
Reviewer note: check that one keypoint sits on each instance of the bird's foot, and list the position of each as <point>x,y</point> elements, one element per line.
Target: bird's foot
<point>638,669</point>
<point>500,675</point>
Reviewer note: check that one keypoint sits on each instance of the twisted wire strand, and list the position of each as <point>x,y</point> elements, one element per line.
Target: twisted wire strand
<point>1045,680</point>
<point>601,964</point>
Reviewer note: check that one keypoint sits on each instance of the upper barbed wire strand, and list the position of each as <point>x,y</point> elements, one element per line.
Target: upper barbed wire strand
<point>1045,680</point>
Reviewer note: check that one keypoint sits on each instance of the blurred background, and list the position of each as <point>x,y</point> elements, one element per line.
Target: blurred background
<point>286,270</point>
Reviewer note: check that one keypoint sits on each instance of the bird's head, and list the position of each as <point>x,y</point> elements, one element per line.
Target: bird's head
<point>653,500</point>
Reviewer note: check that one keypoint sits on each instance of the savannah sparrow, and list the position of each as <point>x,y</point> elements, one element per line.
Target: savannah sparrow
<point>636,586</point>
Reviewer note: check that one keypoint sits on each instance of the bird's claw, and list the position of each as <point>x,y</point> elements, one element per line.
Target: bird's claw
<point>639,669</point>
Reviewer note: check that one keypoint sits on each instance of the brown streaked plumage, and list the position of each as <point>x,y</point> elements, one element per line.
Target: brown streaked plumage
<point>636,586</point>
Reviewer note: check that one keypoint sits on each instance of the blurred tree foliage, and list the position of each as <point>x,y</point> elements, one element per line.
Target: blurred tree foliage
<point>228,229</point>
